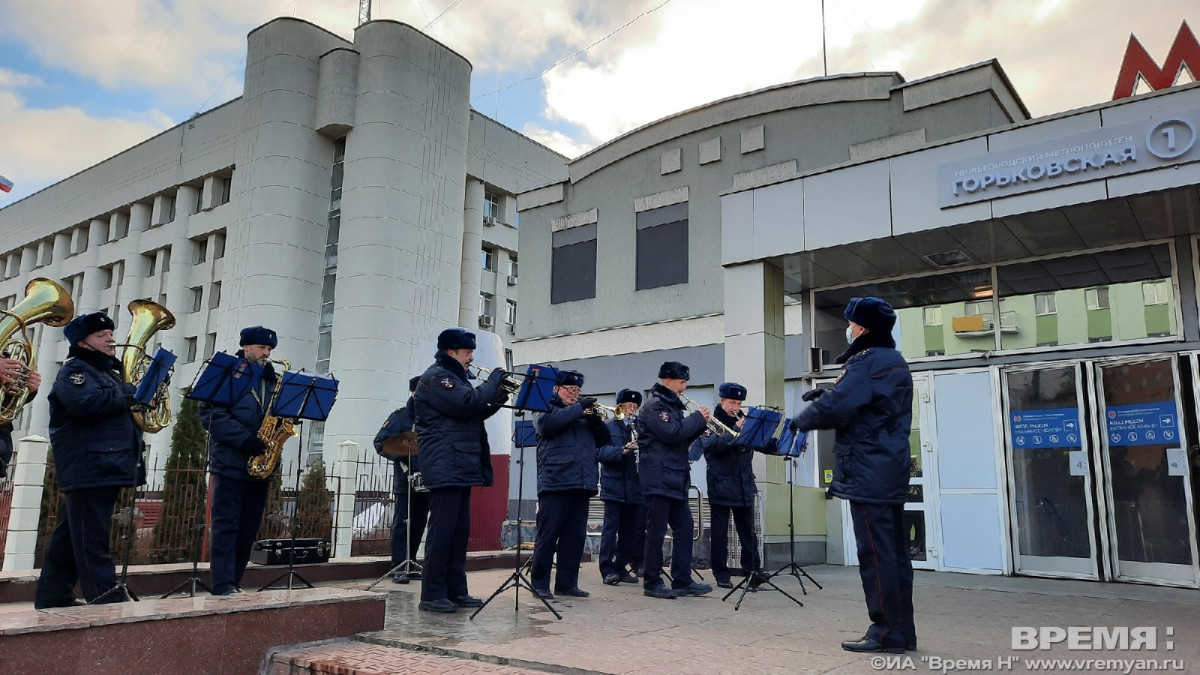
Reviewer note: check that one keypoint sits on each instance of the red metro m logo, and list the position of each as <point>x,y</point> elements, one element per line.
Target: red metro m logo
<point>1138,65</point>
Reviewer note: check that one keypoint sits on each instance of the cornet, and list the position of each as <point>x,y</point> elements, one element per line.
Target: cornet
<point>509,384</point>
<point>714,425</point>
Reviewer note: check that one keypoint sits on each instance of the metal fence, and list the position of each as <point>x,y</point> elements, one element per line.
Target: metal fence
<point>374,507</point>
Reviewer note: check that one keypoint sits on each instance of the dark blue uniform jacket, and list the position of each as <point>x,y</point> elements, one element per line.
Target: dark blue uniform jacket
<point>233,431</point>
<point>92,433</point>
<point>451,438</point>
<point>6,441</point>
<point>619,480</point>
<point>665,430</point>
<point>566,448</point>
<point>730,467</point>
<point>870,409</point>
<point>401,420</point>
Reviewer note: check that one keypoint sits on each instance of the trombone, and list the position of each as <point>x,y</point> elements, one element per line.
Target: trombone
<point>714,425</point>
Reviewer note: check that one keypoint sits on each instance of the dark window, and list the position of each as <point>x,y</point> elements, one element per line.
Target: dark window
<point>662,246</point>
<point>573,264</point>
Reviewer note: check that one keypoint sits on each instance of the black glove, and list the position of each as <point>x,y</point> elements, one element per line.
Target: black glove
<point>128,392</point>
<point>252,445</point>
<point>501,396</point>
<point>497,375</point>
<point>792,426</point>
<point>812,395</point>
<point>587,402</point>
<point>771,447</point>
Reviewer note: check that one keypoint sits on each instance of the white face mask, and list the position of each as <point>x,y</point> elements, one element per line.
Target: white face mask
<point>849,335</point>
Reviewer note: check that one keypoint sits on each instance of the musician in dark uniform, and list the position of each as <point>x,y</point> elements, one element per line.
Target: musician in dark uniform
<point>406,536</point>
<point>623,539</point>
<point>665,429</point>
<point>567,438</point>
<point>870,409</point>
<point>455,457</point>
<point>10,372</point>
<point>731,486</point>
<point>238,498</point>
<point>97,450</point>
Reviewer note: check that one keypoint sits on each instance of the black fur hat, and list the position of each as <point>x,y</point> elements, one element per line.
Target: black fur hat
<point>872,313</point>
<point>455,338</point>
<point>569,378</point>
<point>86,324</point>
<point>732,390</point>
<point>629,396</point>
<point>257,335</point>
<point>674,370</point>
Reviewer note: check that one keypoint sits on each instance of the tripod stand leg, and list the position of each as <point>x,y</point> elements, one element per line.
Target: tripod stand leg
<point>517,580</point>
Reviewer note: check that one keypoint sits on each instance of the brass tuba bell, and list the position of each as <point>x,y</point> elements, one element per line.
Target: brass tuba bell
<point>45,302</point>
<point>148,318</point>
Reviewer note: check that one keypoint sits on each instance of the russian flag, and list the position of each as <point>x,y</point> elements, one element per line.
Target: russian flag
<point>5,184</point>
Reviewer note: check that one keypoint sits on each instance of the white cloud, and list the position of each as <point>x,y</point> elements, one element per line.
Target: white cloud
<point>11,79</point>
<point>56,143</point>
<point>555,140</point>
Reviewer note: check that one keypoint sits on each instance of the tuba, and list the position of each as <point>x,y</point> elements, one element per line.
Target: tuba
<point>148,318</point>
<point>45,302</point>
<point>273,432</point>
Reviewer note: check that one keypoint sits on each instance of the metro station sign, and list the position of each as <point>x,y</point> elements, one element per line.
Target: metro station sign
<point>1139,66</point>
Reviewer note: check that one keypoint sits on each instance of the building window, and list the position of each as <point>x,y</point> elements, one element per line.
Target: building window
<point>933,316</point>
<point>488,258</point>
<point>214,295</point>
<point>662,246</point>
<point>935,352</point>
<point>210,343</point>
<point>218,247</point>
<point>491,208</point>
<point>512,265</point>
<point>573,264</point>
<point>7,302</point>
<point>486,305</point>
<point>197,295</point>
<point>107,276</point>
<point>333,231</point>
<point>223,188</point>
<point>511,317</point>
<point>1097,298</point>
<point>81,242</point>
<point>977,308</point>
<point>166,258</point>
<point>1155,292</point>
<point>189,347</point>
<point>1044,304</point>
<point>199,250</point>
<point>198,205</point>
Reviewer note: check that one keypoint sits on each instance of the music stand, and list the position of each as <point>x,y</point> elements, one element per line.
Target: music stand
<point>155,374</point>
<point>301,397</point>
<point>534,395</point>
<point>408,566</point>
<point>799,443</point>
<point>127,536</point>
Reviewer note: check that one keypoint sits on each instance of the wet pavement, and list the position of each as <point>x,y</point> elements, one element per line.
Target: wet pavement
<point>964,622</point>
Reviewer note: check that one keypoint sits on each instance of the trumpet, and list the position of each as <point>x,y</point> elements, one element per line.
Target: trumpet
<point>714,425</point>
<point>603,411</point>
<point>509,384</point>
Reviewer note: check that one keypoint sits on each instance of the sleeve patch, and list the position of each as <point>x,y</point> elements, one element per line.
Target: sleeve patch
<point>77,378</point>
<point>446,381</point>
<point>664,415</point>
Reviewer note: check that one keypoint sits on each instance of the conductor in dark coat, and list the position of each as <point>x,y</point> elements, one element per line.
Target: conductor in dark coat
<point>455,457</point>
<point>870,409</point>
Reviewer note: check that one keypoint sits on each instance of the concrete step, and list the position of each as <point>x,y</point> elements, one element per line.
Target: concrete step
<point>360,658</point>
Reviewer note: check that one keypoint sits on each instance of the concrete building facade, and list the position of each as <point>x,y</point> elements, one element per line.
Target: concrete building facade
<point>346,200</point>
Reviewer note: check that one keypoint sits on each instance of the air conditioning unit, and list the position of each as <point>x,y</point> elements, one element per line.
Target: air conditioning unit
<point>489,220</point>
<point>485,321</point>
<point>512,280</point>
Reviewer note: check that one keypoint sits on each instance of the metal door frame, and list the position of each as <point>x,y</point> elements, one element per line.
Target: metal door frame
<point>930,504</point>
<point>1063,567</point>
<point>1143,572</point>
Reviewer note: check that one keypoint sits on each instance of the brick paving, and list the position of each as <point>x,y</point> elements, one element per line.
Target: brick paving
<point>360,658</point>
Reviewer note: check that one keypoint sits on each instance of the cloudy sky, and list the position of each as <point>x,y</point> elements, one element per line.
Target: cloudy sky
<point>81,80</point>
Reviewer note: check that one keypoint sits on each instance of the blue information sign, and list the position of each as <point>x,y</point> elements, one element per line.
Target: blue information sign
<point>1047,428</point>
<point>1141,424</point>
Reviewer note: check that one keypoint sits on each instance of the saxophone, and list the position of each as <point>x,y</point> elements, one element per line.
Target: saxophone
<point>273,432</point>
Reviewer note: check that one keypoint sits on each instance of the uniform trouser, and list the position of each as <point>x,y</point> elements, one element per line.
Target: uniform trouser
<point>406,537</point>
<point>237,512</point>
<point>743,521</point>
<point>620,545</point>
<point>444,575</point>
<point>661,512</point>
<point>78,550</point>
<point>886,571</point>
<point>561,529</point>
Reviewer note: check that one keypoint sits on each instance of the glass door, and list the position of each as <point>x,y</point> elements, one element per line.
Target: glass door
<point>919,511</point>
<point>1050,488</point>
<point>1151,521</point>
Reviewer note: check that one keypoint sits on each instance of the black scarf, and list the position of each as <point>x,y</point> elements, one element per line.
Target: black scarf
<point>866,341</point>
<point>725,418</point>
<point>669,397</point>
<point>449,363</point>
